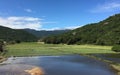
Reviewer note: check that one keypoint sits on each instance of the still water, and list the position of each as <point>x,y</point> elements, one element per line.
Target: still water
<point>56,65</point>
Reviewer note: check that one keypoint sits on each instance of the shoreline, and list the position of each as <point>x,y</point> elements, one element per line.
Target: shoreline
<point>114,66</point>
<point>2,59</point>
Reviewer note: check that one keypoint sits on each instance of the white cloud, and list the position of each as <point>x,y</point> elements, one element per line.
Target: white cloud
<point>58,28</point>
<point>29,22</point>
<point>21,22</point>
<point>107,7</point>
<point>52,29</point>
<point>28,10</point>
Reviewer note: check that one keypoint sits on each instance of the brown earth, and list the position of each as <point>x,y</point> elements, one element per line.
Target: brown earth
<point>116,68</point>
<point>35,71</point>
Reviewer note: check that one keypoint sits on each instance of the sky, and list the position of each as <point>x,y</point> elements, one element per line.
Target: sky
<point>55,14</point>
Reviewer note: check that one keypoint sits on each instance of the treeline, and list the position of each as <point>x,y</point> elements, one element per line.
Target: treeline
<point>106,32</point>
<point>44,33</point>
<point>16,35</point>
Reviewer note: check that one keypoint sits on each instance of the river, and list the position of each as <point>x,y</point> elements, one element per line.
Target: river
<point>56,65</point>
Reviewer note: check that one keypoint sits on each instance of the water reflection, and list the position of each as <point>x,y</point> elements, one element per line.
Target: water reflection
<point>111,57</point>
<point>62,65</point>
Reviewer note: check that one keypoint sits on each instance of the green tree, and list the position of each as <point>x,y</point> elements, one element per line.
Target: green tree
<point>1,46</point>
<point>106,32</point>
<point>116,48</point>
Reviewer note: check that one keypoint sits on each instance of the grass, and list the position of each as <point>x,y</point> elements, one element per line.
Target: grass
<point>34,48</point>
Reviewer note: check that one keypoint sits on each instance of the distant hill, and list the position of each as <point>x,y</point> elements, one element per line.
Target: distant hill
<point>9,34</point>
<point>106,32</point>
<point>44,33</point>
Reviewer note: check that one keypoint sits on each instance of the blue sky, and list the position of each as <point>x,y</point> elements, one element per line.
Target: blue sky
<point>55,14</point>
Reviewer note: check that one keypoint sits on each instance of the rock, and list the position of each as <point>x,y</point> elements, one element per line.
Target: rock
<point>35,71</point>
<point>20,69</point>
<point>118,73</point>
<point>117,68</point>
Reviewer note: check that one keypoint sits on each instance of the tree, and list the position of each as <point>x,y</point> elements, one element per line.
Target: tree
<point>106,32</point>
<point>1,46</point>
<point>116,48</point>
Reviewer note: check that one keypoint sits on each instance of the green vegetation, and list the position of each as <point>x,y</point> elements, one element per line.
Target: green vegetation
<point>106,32</point>
<point>36,49</point>
<point>1,46</point>
<point>44,33</point>
<point>76,41</point>
<point>31,49</point>
<point>116,48</point>
<point>2,51</point>
<point>15,35</point>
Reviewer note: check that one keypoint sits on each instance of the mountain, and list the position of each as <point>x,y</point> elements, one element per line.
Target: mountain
<point>44,33</point>
<point>9,34</point>
<point>106,32</point>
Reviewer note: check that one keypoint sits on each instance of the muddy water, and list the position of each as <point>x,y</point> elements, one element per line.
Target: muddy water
<point>56,65</point>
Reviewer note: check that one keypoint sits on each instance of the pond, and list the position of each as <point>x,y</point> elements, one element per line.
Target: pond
<point>56,65</point>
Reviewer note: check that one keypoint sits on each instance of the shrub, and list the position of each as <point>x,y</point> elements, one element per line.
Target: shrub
<point>17,41</point>
<point>1,46</point>
<point>11,42</point>
<point>116,48</point>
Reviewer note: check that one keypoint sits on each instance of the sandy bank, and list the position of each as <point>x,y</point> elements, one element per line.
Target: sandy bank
<point>117,68</point>
<point>35,71</point>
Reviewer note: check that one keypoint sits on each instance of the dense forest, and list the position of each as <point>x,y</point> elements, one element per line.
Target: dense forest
<point>8,34</point>
<point>25,35</point>
<point>44,33</point>
<point>106,32</point>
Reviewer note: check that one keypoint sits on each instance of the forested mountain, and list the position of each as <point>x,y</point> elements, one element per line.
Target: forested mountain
<point>106,32</point>
<point>9,34</point>
<point>44,33</point>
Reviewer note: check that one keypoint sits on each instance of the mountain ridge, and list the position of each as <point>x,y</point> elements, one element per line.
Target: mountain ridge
<point>45,33</point>
<point>9,34</point>
<point>106,32</point>
<point>25,35</point>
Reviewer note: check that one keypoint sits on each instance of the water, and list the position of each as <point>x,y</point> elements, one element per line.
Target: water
<point>56,65</point>
<point>111,57</point>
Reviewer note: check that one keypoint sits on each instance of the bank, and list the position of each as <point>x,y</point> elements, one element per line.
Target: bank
<point>2,58</point>
<point>114,65</point>
<point>40,49</point>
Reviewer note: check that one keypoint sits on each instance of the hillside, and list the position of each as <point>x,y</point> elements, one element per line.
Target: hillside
<point>106,32</point>
<point>44,33</point>
<point>9,34</point>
